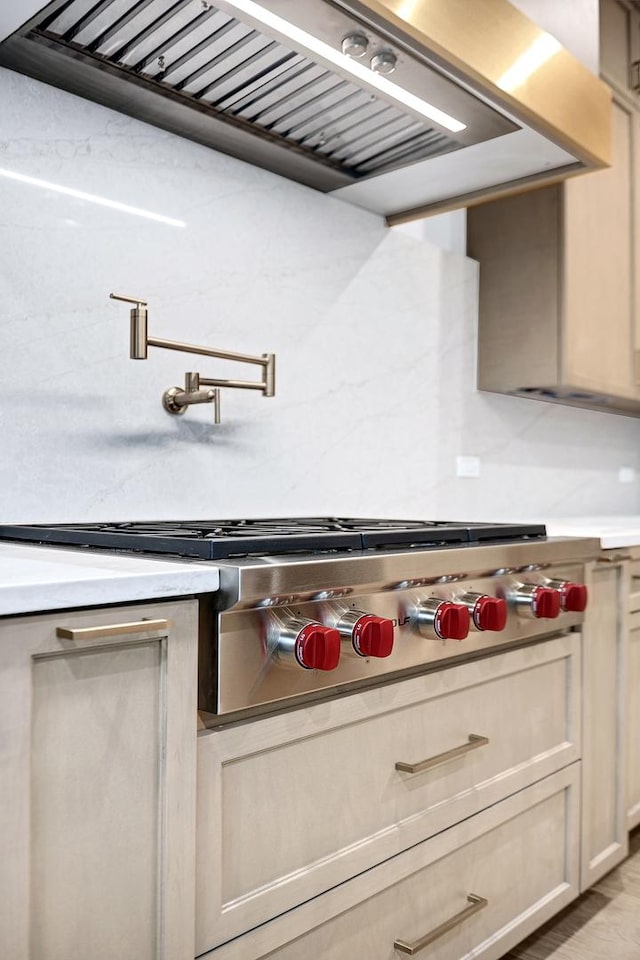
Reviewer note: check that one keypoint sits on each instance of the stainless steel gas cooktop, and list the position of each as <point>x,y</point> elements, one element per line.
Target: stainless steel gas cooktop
<point>316,606</point>
<point>218,539</point>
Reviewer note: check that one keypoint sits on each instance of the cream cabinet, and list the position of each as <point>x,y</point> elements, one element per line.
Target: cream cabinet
<point>558,300</point>
<point>633,690</point>
<point>559,308</point>
<point>294,806</point>
<point>611,682</point>
<point>476,889</point>
<point>605,840</point>
<point>620,45</point>
<point>97,767</point>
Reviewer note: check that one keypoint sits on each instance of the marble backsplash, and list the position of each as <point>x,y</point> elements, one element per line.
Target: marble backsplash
<point>374,333</point>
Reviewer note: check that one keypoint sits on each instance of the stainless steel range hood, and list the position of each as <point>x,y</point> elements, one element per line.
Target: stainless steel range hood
<point>398,107</point>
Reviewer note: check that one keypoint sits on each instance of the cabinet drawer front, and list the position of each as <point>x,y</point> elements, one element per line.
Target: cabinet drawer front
<point>291,806</point>
<point>520,855</point>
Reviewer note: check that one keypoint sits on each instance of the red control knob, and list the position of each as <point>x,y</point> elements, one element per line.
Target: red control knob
<point>451,621</point>
<point>317,647</point>
<point>372,636</point>
<point>489,613</point>
<point>573,597</point>
<point>545,603</point>
<point>442,618</point>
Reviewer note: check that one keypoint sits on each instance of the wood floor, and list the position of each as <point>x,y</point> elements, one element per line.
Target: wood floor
<point>604,924</point>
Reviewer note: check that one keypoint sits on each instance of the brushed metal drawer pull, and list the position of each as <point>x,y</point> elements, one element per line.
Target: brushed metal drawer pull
<point>112,630</point>
<point>475,904</point>
<point>473,743</point>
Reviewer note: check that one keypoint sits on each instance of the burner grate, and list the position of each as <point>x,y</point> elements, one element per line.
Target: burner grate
<point>220,539</point>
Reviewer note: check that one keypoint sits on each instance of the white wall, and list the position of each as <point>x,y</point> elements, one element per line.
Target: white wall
<point>374,333</point>
<point>446,230</point>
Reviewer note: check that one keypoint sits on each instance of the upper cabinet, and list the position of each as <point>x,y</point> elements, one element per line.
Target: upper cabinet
<point>393,106</point>
<point>559,305</point>
<point>620,46</point>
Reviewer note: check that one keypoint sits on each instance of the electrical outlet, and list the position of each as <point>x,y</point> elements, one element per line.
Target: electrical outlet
<point>627,475</point>
<point>467,466</point>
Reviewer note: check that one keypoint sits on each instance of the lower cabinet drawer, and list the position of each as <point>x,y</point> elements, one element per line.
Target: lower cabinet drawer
<point>473,891</point>
<point>292,805</point>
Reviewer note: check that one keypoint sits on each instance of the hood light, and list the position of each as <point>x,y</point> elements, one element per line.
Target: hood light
<point>290,33</point>
<point>90,197</point>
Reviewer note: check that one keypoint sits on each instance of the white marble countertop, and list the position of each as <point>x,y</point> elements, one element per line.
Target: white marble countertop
<point>34,579</point>
<point>613,531</point>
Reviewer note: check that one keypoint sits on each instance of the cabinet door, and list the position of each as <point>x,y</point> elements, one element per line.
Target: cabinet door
<point>633,752</point>
<point>635,277</point>
<point>605,638</point>
<point>598,343</point>
<point>618,44</point>
<point>97,763</point>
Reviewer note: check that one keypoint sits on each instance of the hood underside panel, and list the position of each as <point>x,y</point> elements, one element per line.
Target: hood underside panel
<point>196,69</point>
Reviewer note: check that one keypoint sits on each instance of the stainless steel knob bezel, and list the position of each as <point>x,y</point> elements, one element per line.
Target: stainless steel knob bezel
<point>348,626</point>
<point>427,617</point>
<point>523,598</point>
<point>474,602</point>
<point>285,641</point>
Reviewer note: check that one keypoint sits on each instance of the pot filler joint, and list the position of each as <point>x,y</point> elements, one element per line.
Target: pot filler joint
<point>196,389</point>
